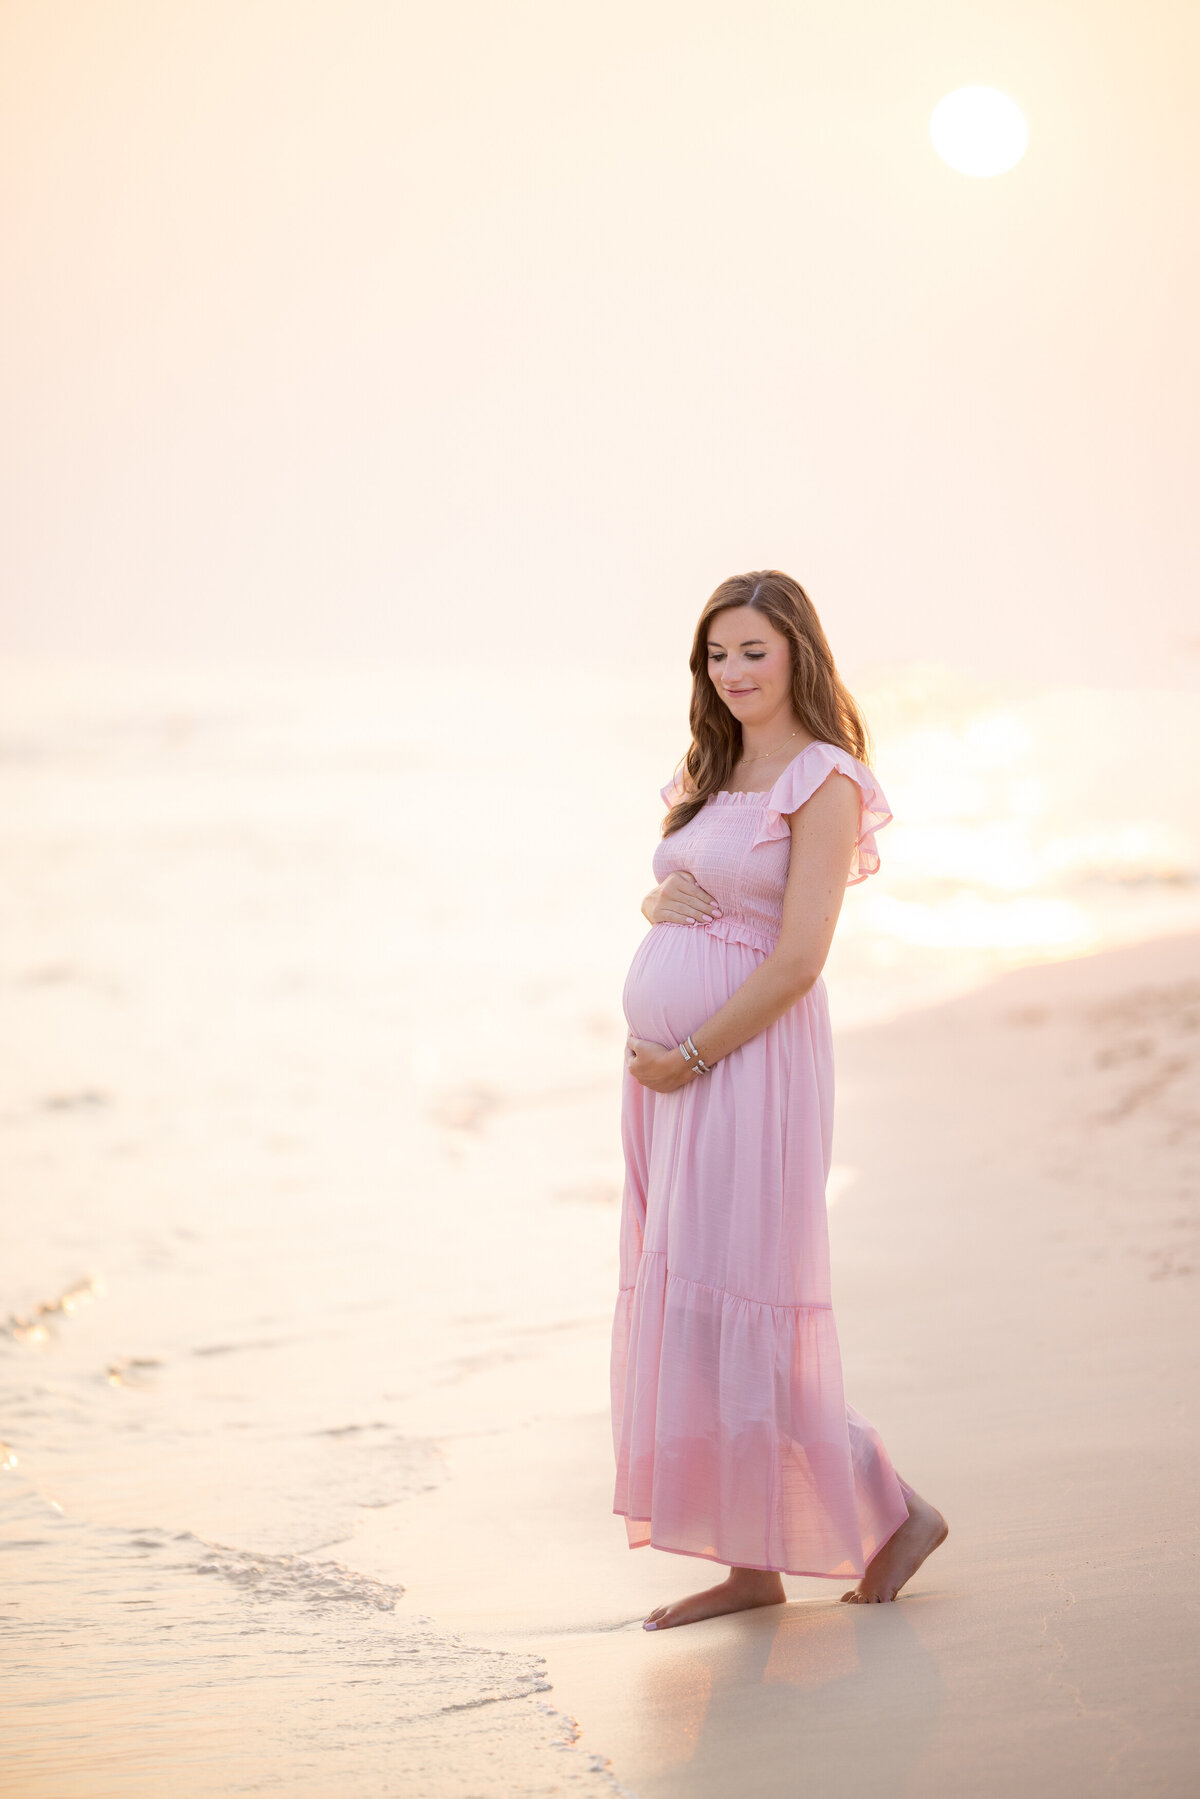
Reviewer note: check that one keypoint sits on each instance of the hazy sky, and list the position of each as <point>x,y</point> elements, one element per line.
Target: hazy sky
<point>343,328</point>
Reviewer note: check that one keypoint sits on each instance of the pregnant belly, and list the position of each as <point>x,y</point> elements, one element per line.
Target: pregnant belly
<point>679,977</point>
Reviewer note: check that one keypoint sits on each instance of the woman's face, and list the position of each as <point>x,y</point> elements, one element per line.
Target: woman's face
<point>750,665</point>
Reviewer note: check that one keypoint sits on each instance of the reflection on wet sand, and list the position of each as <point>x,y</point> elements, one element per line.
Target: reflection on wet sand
<point>777,1691</point>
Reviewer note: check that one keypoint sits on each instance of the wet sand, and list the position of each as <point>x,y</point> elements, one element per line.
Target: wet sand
<point>1016,1266</point>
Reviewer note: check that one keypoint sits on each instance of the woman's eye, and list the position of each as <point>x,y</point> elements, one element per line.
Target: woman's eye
<point>755,655</point>
<point>713,657</point>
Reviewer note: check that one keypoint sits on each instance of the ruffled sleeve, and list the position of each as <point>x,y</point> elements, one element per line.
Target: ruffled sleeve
<point>800,780</point>
<point>672,793</point>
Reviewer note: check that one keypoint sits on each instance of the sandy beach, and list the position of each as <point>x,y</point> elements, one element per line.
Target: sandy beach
<point>310,1250</point>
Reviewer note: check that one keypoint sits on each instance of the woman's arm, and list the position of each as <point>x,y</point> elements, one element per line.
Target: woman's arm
<point>824,831</point>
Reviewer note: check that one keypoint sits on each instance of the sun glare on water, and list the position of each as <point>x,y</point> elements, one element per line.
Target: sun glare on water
<point>1023,832</point>
<point>979,131</point>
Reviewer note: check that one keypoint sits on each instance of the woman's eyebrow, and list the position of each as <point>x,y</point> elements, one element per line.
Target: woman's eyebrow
<point>747,643</point>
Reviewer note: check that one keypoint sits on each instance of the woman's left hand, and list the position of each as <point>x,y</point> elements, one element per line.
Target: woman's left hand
<point>662,1070</point>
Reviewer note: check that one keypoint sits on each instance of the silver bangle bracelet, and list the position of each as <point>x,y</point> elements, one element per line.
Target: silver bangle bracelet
<point>693,1058</point>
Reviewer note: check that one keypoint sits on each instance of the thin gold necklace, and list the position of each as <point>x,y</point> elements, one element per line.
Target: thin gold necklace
<point>768,753</point>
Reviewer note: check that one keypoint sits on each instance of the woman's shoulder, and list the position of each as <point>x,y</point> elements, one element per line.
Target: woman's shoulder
<point>811,767</point>
<point>808,771</point>
<point>676,789</point>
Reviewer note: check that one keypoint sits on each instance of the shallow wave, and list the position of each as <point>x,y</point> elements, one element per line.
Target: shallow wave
<point>204,1670</point>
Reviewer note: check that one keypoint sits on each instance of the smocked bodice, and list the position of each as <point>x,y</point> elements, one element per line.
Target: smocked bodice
<point>738,846</point>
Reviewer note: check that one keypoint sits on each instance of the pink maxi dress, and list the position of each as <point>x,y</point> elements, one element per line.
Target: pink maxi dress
<point>733,1438</point>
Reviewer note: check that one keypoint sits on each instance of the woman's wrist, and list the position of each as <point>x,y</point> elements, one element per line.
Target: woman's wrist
<point>694,1061</point>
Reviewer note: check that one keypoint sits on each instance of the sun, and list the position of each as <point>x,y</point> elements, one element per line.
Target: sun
<point>979,131</point>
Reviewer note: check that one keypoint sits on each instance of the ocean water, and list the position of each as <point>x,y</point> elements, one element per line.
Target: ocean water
<point>311,1057</point>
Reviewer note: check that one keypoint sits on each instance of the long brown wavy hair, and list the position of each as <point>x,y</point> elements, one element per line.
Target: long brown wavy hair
<point>819,699</point>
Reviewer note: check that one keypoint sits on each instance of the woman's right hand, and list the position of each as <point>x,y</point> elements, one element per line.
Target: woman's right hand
<point>680,900</point>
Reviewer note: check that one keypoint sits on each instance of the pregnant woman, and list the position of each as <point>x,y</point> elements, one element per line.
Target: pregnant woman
<point>733,1438</point>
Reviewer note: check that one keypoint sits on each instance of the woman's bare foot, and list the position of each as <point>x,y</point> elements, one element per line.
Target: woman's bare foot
<point>900,1557</point>
<point>742,1589</point>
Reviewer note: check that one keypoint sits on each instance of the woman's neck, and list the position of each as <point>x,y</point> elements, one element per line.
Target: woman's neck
<point>761,742</point>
